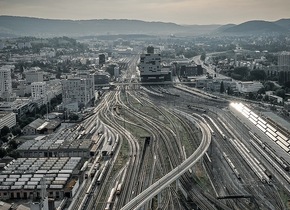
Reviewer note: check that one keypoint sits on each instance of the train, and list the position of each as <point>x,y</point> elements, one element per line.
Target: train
<point>232,166</point>
<point>216,126</point>
<point>281,161</point>
<point>110,199</point>
<point>196,108</point>
<point>249,158</point>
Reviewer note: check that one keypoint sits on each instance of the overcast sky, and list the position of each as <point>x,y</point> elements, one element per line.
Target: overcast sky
<point>177,11</point>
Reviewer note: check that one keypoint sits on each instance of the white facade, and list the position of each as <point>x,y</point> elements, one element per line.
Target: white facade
<point>5,81</point>
<point>7,119</point>
<point>116,71</point>
<point>249,87</point>
<point>39,92</point>
<point>34,76</point>
<point>79,90</point>
<point>284,59</point>
<point>150,64</point>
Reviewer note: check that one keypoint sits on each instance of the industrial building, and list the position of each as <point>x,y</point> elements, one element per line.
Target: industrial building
<point>21,178</point>
<point>40,126</point>
<point>56,148</point>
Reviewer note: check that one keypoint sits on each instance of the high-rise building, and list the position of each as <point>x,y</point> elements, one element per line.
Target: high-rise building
<point>5,81</point>
<point>102,59</point>
<point>150,67</point>
<point>284,67</point>
<point>78,90</point>
<point>284,59</point>
<point>39,92</point>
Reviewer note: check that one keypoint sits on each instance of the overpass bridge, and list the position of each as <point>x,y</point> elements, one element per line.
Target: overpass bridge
<point>174,175</point>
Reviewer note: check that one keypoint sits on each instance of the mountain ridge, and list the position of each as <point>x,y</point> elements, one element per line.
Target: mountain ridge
<point>31,26</point>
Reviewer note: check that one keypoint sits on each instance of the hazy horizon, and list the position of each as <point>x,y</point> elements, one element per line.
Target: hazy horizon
<point>185,12</point>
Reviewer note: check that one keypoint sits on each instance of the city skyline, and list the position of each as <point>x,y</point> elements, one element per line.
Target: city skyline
<point>180,12</point>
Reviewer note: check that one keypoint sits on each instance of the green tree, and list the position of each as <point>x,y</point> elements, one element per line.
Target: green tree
<point>16,131</point>
<point>258,75</point>
<point>5,130</point>
<point>222,87</point>
<point>73,117</point>
<point>203,56</point>
<point>280,92</point>
<point>13,144</point>
<point>2,152</point>
<point>229,90</point>
<point>243,71</point>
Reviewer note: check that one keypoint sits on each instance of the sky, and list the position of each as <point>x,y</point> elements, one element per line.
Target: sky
<point>177,11</point>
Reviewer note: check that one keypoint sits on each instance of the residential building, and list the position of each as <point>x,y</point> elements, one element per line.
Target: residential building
<point>7,119</point>
<point>284,59</point>
<point>39,92</point>
<point>20,106</point>
<point>34,76</point>
<point>80,90</point>
<point>5,81</point>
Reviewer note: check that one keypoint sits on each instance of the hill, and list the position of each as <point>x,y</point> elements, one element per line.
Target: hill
<point>255,27</point>
<point>285,23</point>
<point>26,26</point>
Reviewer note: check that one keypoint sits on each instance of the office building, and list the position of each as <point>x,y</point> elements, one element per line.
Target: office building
<point>150,66</point>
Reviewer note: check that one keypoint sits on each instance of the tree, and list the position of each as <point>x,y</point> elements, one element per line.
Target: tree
<point>222,87</point>
<point>5,130</point>
<point>280,92</point>
<point>203,56</point>
<point>243,71</point>
<point>229,90</point>
<point>13,144</point>
<point>16,131</point>
<point>73,117</point>
<point>258,75</point>
<point>2,152</point>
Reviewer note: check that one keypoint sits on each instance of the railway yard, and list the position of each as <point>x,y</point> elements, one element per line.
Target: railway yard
<point>175,147</point>
<point>155,130</point>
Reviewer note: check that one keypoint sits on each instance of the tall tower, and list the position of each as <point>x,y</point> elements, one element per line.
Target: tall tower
<point>5,81</point>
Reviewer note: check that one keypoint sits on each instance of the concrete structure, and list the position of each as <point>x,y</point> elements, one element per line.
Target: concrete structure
<point>40,126</point>
<point>20,106</point>
<point>21,178</point>
<point>7,119</point>
<point>102,59</point>
<point>78,90</point>
<point>150,66</point>
<point>284,59</point>
<point>101,78</point>
<point>5,81</point>
<point>249,87</point>
<point>34,76</point>
<point>39,92</point>
<point>116,71</point>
